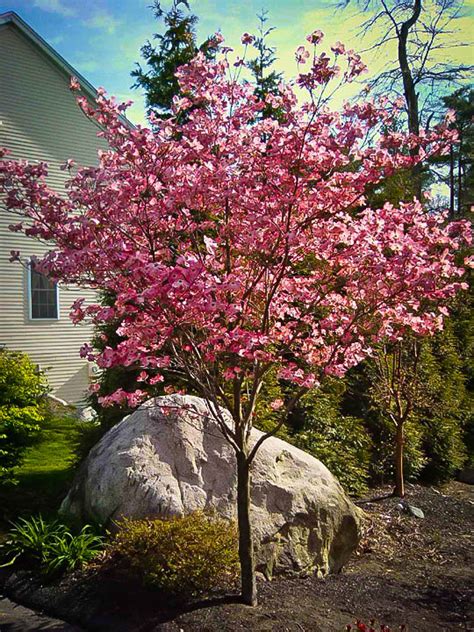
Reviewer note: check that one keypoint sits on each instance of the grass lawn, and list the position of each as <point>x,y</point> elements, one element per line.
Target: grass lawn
<point>45,474</point>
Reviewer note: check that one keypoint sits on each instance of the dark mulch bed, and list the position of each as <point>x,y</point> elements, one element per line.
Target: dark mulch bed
<point>411,571</point>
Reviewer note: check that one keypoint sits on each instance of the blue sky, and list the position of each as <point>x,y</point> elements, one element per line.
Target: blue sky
<point>102,38</point>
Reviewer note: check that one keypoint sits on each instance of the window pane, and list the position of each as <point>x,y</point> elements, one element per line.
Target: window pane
<point>43,296</point>
<point>39,281</point>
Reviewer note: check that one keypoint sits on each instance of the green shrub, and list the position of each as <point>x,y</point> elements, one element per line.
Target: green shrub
<point>444,446</point>
<point>446,414</point>
<point>382,465</point>
<point>186,555</point>
<point>340,442</point>
<point>439,435</point>
<point>50,545</point>
<point>22,408</point>
<point>468,435</point>
<point>20,382</point>
<point>317,427</point>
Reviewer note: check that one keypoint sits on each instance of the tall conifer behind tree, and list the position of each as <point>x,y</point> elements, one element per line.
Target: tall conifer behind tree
<point>175,47</point>
<point>461,157</point>
<point>266,80</point>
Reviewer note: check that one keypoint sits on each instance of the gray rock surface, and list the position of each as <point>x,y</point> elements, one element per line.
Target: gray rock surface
<point>160,464</point>
<point>416,512</point>
<point>87,414</point>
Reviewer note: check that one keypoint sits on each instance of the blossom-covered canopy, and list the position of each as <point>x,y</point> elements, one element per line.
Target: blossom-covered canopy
<point>235,243</point>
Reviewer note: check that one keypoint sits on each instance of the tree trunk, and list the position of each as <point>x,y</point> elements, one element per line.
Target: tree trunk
<point>399,478</point>
<point>451,182</point>
<point>409,88</point>
<point>460,149</point>
<point>246,546</point>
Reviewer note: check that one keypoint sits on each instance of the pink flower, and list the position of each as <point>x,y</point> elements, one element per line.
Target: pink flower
<point>338,48</point>
<point>231,372</point>
<point>142,376</point>
<point>450,116</point>
<point>181,104</point>
<point>136,398</point>
<point>276,404</point>
<point>301,55</point>
<point>85,350</point>
<point>68,165</point>
<point>217,39</point>
<point>156,379</point>
<point>74,83</point>
<point>247,39</point>
<point>315,37</point>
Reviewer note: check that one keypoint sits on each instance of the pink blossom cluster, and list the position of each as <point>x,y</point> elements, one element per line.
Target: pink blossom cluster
<point>323,70</point>
<point>241,243</point>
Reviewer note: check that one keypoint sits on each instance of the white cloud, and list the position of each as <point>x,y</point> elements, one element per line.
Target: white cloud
<point>86,65</point>
<point>103,21</point>
<point>55,6</point>
<point>54,41</point>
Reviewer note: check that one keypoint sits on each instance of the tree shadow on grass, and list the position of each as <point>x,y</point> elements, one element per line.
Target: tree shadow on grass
<point>36,492</point>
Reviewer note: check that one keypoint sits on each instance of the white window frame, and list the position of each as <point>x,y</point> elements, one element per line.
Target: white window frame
<point>30,298</point>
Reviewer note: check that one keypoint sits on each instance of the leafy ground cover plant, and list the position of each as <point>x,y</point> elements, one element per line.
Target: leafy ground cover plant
<point>50,545</point>
<point>29,540</point>
<point>186,555</point>
<point>67,552</point>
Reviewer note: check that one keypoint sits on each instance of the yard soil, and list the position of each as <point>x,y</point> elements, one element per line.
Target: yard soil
<point>15,618</point>
<point>408,571</point>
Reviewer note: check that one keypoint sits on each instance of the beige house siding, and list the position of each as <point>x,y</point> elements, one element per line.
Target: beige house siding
<point>40,121</point>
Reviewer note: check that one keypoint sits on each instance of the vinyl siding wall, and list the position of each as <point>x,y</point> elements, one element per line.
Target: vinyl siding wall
<point>40,122</point>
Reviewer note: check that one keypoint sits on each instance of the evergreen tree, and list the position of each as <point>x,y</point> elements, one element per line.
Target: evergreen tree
<point>460,161</point>
<point>175,47</point>
<point>266,82</point>
<point>446,410</point>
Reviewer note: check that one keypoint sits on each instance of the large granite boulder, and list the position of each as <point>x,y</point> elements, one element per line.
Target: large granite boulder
<point>169,458</point>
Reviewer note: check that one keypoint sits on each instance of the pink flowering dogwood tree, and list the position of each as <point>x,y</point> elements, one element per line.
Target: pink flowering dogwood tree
<point>239,246</point>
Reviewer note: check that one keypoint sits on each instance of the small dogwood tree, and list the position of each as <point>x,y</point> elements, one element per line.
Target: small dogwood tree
<point>239,246</point>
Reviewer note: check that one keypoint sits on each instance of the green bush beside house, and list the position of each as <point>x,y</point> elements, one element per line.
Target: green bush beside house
<point>23,409</point>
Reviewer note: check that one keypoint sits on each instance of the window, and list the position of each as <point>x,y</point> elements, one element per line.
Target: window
<point>43,294</point>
